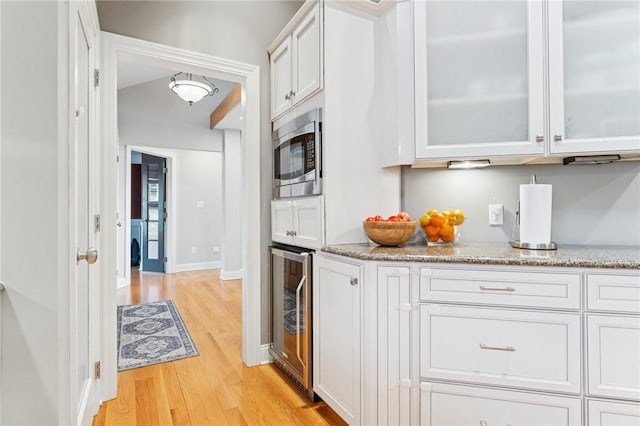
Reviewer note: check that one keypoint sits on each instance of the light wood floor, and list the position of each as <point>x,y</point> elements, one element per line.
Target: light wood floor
<point>215,388</point>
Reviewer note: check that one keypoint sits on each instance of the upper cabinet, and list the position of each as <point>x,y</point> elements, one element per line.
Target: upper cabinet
<point>479,78</point>
<point>594,76</point>
<point>296,62</point>
<point>496,79</point>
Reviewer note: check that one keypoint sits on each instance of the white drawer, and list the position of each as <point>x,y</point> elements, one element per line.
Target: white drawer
<point>452,405</point>
<point>604,413</point>
<point>613,352</point>
<point>537,350</point>
<point>613,293</point>
<point>539,289</point>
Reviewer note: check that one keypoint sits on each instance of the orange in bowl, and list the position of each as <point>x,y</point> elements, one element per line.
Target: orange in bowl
<point>389,233</point>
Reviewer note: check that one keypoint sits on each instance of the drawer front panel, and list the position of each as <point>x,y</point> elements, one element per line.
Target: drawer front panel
<point>539,289</point>
<point>613,293</point>
<point>453,405</point>
<point>603,413</point>
<point>613,351</point>
<point>505,347</point>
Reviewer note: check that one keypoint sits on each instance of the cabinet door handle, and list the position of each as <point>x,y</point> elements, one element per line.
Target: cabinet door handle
<point>539,138</point>
<point>557,138</point>
<point>288,233</point>
<point>294,233</point>
<point>498,348</point>
<point>497,288</point>
<point>287,97</point>
<point>353,281</point>
<point>292,93</point>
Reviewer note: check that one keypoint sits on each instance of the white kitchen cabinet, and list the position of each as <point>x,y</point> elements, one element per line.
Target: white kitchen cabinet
<point>613,350</point>
<point>296,64</point>
<point>613,293</point>
<point>479,79</point>
<point>298,222</point>
<point>594,69</point>
<point>453,405</point>
<point>535,350</point>
<point>394,345</point>
<point>480,89</point>
<point>510,288</point>
<point>607,413</point>
<point>337,307</point>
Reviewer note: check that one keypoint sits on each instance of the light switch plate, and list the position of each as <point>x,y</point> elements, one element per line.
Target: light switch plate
<point>496,214</point>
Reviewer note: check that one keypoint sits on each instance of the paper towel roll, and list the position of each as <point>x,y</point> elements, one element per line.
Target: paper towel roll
<point>535,213</point>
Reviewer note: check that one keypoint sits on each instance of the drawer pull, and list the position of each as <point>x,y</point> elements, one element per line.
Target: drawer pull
<point>498,348</point>
<point>497,288</point>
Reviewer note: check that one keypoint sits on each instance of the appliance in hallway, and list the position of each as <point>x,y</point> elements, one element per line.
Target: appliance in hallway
<point>290,313</point>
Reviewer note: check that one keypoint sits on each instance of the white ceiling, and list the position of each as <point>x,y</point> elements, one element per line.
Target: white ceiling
<point>132,74</point>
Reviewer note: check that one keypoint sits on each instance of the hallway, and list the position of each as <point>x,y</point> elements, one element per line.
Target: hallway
<point>214,388</point>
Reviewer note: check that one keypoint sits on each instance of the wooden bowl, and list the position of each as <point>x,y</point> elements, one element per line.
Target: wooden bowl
<point>389,233</point>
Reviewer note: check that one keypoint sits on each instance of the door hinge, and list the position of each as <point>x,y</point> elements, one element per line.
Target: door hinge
<point>117,158</point>
<point>97,369</point>
<point>165,260</point>
<point>164,216</point>
<point>165,170</point>
<point>96,223</point>
<point>96,77</point>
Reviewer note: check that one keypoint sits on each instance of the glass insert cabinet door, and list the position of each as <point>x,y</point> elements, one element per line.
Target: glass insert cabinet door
<point>479,78</point>
<point>594,72</point>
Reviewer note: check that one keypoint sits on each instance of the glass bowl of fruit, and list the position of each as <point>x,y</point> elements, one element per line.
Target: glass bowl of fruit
<point>441,228</point>
<point>392,231</point>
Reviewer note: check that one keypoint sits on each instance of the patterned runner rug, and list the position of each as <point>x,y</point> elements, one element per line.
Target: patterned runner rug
<point>151,333</point>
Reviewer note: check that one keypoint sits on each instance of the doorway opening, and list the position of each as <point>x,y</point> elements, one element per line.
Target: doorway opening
<point>117,48</point>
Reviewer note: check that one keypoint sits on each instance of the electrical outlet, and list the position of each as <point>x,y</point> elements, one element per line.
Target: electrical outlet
<point>199,204</point>
<point>193,250</point>
<point>216,249</point>
<point>496,214</point>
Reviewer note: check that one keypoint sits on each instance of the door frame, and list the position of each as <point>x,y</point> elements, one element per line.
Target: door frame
<point>170,204</point>
<point>116,46</point>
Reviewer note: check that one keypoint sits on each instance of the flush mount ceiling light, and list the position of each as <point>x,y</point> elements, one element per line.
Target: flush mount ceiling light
<point>190,90</point>
<point>468,164</point>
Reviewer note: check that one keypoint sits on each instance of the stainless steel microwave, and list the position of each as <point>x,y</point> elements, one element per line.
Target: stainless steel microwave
<point>297,157</point>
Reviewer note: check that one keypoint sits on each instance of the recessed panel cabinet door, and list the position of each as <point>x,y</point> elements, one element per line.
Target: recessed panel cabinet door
<point>281,78</point>
<point>336,336</point>
<point>594,69</point>
<point>306,56</point>
<point>479,78</point>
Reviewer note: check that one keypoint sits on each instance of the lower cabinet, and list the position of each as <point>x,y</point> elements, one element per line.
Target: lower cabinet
<point>606,413</point>
<point>452,405</point>
<point>444,345</point>
<point>336,336</point>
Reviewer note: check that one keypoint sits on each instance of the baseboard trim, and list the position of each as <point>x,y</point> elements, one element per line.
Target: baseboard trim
<point>122,282</point>
<point>265,358</point>
<point>230,275</point>
<point>198,266</point>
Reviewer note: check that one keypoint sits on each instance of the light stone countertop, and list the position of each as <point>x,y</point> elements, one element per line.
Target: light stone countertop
<point>569,256</point>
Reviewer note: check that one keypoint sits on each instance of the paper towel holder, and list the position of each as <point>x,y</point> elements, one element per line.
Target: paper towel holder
<point>528,246</point>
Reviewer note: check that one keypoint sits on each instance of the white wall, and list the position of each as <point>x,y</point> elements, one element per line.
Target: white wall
<point>592,204</point>
<point>199,176</point>
<point>30,181</point>
<point>238,30</point>
<point>232,205</point>
<point>150,115</point>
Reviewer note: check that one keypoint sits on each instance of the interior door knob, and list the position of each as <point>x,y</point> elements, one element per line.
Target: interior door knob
<point>91,255</point>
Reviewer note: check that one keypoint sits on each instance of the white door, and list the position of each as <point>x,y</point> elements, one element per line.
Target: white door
<point>83,292</point>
